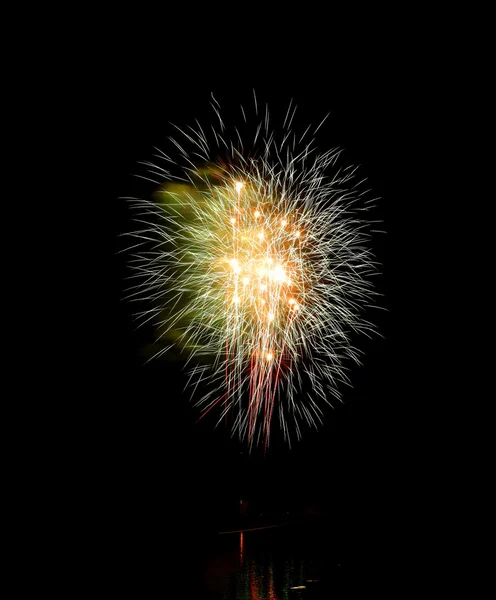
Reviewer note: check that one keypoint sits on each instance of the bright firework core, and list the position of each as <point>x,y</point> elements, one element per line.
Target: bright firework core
<point>265,289</point>
<point>260,262</point>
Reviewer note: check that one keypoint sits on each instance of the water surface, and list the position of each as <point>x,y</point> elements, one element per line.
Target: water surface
<point>283,563</point>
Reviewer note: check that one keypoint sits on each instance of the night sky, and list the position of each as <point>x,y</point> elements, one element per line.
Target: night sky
<point>366,467</point>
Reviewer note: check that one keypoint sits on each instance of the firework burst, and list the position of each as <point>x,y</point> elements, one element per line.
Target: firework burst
<point>253,258</point>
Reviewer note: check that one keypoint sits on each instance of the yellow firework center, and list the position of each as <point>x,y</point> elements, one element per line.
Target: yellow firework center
<point>263,274</point>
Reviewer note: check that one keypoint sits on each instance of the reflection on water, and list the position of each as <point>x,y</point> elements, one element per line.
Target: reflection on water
<point>284,564</point>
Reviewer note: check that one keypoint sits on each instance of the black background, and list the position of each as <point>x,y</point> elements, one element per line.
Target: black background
<point>151,477</point>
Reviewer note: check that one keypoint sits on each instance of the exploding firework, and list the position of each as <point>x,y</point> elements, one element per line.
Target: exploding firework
<point>252,258</point>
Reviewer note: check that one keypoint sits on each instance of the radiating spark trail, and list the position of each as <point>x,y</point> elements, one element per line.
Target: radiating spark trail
<point>255,259</point>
